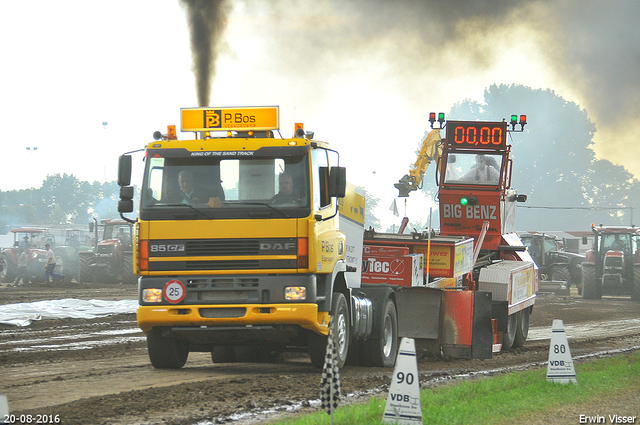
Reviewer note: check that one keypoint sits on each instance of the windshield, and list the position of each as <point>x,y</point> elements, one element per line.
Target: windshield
<point>118,231</point>
<point>472,168</point>
<point>214,187</point>
<point>619,242</point>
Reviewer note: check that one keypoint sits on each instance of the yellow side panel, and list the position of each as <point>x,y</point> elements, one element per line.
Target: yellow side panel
<point>352,205</point>
<point>219,229</point>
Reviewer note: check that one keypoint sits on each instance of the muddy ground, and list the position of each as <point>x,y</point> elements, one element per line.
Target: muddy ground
<point>97,371</point>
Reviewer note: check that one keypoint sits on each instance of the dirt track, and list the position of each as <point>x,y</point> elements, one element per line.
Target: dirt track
<point>97,371</point>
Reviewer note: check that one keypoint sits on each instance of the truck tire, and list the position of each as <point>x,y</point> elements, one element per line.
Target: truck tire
<point>128,276</point>
<point>590,288</point>
<point>522,329</point>
<point>166,352</point>
<point>317,344</point>
<point>381,349</point>
<point>635,289</point>
<point>509,337</point>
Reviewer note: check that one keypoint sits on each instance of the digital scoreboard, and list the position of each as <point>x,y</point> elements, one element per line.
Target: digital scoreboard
<point>476,135</point>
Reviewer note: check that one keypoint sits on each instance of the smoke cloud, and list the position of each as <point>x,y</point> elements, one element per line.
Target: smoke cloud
<point>207,20</point>
<point>591,46</point>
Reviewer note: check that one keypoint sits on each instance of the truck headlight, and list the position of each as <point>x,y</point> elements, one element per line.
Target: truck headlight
<point>152,295</point>
<point>295,293</point>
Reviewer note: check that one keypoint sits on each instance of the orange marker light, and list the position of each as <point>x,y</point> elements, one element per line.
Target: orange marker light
<point>171,132</point>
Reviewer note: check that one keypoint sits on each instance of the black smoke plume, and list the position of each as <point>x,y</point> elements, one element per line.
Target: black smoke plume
<point>207,21</point>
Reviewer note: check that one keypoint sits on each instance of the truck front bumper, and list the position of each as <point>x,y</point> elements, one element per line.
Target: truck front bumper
<point>233,315</point>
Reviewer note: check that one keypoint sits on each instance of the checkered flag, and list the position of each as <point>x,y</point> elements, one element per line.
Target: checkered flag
<point>330,392</point>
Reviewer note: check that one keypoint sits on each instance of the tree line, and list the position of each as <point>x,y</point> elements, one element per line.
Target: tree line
<point>61,200</point>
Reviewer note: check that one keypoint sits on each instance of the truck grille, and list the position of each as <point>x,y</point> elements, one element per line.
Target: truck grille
<point>222,265</point>
<point>174,253</point>
<point>222,247</point>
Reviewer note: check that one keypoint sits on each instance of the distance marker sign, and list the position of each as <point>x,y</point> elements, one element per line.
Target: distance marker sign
<point>560,368</point>
<point>403,403</point>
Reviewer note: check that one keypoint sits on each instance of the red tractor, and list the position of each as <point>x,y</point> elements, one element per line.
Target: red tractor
<point>34,240</point>
<point>612,266</point>
<point>111,260</point>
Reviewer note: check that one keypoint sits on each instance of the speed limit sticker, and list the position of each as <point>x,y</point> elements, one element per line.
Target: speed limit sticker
<point>174,291</point>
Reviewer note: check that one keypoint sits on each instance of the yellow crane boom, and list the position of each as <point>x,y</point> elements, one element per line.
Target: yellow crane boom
<point>431,150</point>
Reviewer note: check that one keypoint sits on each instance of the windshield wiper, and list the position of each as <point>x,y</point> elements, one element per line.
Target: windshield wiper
<point>258,203</point>
<point>180,204</point>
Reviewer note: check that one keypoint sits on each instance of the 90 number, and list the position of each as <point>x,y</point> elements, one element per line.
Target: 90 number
<point>405,379</point>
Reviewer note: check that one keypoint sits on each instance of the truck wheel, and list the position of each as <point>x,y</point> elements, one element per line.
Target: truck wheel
<point>590,288</point>
<point>635,289</point>
<point>508,337</point>
<point>522,329</point>
<point>340,326</point>
<point>382,349</point>
<point>166,352</point>
<point>223,354</point>
<point>128,277</point>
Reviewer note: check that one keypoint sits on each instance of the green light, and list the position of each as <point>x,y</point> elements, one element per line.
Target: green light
<point>514,119</point>
<point>464,201</point>
<point>441,117</point>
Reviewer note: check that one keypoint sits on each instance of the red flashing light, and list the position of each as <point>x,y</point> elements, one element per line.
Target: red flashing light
<point>523,119</point>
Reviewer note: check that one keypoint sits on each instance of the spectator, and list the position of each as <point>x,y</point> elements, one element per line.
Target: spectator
<point>51,265</point>
<point>23,263</point>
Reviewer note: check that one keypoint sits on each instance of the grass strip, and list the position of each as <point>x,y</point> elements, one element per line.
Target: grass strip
<point>506,398</point>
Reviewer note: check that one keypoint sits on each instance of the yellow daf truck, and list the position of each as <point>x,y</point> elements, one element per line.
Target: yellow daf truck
<point>237,244</point>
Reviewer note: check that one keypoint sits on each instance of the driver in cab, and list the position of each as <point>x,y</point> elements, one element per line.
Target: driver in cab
<point>482,172</point>
<point>285,186</point>
<point>190,195</point>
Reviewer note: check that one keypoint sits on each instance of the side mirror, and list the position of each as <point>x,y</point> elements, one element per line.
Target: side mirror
<point>91,227</point>
<point>125,205</point>
<point>584,240</point>
<point>124,170</point>
<point>338,182</point>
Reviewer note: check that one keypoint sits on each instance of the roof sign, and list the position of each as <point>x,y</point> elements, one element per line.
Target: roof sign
<point>225,119</point>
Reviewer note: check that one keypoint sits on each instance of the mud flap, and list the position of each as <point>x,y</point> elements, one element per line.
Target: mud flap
<point>467,331</point>
<point>482,338</point>
<point>458,322</point>
<point>419,312</point>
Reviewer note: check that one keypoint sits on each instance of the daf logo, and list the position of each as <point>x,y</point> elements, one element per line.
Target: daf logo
<point>277,246</point>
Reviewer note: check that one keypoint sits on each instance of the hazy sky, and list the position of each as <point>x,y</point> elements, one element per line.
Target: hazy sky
<point>363,75</point>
